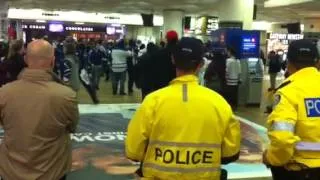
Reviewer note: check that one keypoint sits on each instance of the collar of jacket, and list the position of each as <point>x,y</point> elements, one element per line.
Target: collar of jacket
<point>37,75</point>
<point>305,72</point>
<point>185,79</point>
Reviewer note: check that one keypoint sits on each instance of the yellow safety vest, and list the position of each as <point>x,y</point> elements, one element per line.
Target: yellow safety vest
<point>294,124</point>
<point>182,132</point>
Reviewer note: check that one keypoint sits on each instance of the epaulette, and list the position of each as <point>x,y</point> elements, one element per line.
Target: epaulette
<point>283,85</point>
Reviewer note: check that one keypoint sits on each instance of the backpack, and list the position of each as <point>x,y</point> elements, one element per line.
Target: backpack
<point>275,64</point>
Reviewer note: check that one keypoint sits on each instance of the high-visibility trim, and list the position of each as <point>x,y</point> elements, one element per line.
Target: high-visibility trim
<point>283,126</point>
<point>185,92</point>
<point>181,170</point>
<point>308,146</point>
<point>184,144</point>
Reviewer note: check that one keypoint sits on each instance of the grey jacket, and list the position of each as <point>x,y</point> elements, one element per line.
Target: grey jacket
<point>71,72</point>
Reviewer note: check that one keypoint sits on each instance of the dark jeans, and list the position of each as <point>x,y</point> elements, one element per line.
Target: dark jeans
<point>118,77</point>
<point>96,74</point>
<point>91,91</point>
<point>131,79</point>
<point>231,95</point>
<point>280,173</point>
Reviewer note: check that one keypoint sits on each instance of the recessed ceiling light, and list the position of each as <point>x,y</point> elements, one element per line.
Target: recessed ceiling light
<point>79,23</point>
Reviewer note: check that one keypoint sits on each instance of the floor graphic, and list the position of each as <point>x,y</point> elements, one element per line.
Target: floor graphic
<point>98,146</point>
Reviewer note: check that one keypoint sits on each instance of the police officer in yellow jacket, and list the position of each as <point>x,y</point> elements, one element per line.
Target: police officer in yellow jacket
<point>294,124</point>
<point>184,131</point>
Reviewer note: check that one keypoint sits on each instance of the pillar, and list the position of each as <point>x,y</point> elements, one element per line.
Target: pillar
<point>4,20</point>
<point>237,11</point>
<point>19,29</point>
<point>173,20</point>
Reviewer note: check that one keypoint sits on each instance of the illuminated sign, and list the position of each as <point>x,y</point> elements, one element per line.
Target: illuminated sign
<point>78,28</point>
<point>56,27</point>
<point>31,26</point>
<point>286,36</point>
<point>249,44</point>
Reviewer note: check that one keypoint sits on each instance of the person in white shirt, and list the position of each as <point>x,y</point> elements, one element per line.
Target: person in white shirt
<point>119,67</point>
<point>233,72</point>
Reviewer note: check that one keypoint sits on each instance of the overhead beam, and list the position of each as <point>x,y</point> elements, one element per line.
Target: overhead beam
<point>278,3</point>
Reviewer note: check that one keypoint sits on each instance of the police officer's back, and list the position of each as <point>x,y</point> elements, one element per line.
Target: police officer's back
<point>294,124</point>
<point>184,131</point>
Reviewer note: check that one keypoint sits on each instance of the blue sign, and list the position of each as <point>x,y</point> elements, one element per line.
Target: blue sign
<point>312,107</point>
<point>249,45</point>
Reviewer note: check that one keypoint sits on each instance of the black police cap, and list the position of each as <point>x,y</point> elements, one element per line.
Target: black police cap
<point>303,51</point>
<point>190,49</point>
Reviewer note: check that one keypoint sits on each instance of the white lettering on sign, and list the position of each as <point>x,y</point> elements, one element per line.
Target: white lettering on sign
<point>313,107</point>
<point>99,136</point>
<point>286,36</point>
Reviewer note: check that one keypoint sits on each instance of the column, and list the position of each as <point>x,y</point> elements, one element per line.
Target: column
<point>237,11</point>
<point>173,20</point>
<point>4,20</point>
<point>19,29</point>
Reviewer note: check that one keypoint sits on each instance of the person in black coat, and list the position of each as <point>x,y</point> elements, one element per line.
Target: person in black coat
<point>143,72</point>
<point>14,63</point>
<point>161,66</point>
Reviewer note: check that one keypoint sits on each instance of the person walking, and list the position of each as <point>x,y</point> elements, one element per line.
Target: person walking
<point>233,74</point>
<point>119,67</point>
<point>38,114</point>
<point>274,69</point>
<point>294,124</point>
<point>159,134</point>
<point>96,56</point>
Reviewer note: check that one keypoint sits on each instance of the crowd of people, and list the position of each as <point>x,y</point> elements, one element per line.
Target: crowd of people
<point>181,131</point>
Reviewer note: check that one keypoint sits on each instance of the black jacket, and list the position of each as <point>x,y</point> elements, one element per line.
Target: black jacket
<point>155,70</point>
<point>12,67</point>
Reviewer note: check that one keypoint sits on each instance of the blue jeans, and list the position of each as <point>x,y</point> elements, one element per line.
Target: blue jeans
<point>118,77</point>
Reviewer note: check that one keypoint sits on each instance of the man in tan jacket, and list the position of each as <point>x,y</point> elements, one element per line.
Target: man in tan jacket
<point>37,115</point>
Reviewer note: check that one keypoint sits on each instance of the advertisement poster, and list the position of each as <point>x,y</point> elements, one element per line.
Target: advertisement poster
<point>98,146</point>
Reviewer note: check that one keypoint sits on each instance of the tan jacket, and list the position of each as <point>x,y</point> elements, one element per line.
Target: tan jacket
<point>38,115</point>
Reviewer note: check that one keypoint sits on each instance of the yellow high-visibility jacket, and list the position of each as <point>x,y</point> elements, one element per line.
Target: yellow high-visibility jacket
<point>183,132</point>
<point>294,124</point>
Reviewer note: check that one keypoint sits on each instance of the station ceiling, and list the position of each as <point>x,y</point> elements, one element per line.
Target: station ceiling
<point>288,12</point>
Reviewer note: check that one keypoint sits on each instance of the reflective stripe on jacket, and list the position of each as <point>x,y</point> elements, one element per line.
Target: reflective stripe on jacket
<point>183,131</point>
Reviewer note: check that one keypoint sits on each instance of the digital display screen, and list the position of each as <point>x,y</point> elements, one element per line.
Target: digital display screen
<point>56,27</point>
<point>250,44</point>
<point>111,30</point>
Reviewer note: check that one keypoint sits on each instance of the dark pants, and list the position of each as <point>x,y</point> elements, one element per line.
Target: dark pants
<point>130,76</point>
<point>280,173</point>
<point>96,74</point>
<point>231,95</point>
<point>91,91</point>
<point>118,77</point>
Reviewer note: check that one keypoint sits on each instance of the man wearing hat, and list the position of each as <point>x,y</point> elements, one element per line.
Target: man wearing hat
<point>294,124</point>
<point>184,131</point>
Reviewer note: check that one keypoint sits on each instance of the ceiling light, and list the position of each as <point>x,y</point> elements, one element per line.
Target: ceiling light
<point>79,23</point>
<point>41,21</point>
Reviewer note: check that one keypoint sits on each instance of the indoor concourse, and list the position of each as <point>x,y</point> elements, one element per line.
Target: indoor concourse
<point>99,47</point>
